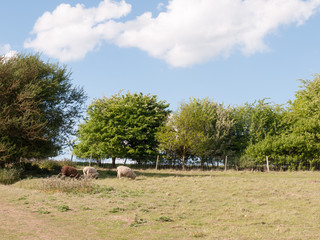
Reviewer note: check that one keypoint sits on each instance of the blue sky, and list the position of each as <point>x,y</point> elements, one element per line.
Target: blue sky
<point>231,51</point>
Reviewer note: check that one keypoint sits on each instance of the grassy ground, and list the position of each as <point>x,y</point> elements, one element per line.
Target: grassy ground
<point>166,205</point>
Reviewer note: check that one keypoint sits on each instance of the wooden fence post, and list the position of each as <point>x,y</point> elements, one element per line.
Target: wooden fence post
<point>267,159</point>
<point>225,163</point>
<point>90,160</point>
<point>157,162</point>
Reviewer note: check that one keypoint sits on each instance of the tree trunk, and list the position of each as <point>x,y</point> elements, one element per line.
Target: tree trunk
<point>202,163</point>
<point>113,162</point>
<point>183,158</point>
<point>170,162</point>
<point>99,162</point>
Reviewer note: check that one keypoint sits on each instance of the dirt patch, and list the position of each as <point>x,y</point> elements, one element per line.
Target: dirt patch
<point>17,223</point>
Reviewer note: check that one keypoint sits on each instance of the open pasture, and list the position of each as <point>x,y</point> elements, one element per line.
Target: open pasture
<point>164,204</point>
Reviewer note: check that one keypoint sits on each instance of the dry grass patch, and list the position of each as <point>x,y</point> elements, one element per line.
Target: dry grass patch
<point>178,205</point>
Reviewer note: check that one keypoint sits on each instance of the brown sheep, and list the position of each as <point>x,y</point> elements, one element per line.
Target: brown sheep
<point>67,171</point>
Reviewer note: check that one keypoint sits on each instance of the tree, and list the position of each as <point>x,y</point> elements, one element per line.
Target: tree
<point>297,141</point>
<point>168,142</point>
<point>38,108</point>
<point>200,128</point>
<point>122,126</point>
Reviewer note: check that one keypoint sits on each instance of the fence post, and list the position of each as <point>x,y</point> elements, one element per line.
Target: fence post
<point>157,162</point>
<point>267,159</point>
<point>90,160</point>
<point>225,163</point>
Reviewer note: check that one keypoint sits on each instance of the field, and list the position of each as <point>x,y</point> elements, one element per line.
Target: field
<point>165,205</point>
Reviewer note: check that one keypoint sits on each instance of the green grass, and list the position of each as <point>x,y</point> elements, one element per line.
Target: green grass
<point>170,204</point>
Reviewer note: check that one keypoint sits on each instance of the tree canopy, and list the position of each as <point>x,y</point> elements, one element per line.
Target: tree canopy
<point>297,140</point>
<point>123,126</point>
<point>38,107</point>
<point>199,129</point>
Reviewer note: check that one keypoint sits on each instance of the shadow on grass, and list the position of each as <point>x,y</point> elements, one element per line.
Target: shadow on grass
<point>171,174</point>
<point>103,174</point>
<point>112,173</point>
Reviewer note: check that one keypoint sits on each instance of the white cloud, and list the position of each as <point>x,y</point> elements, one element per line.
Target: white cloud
<point>6,52</point>
<point>4,49</point>
<point>188,31</point>
<point>69,33</point>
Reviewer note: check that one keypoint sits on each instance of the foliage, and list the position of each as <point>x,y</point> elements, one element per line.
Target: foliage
<point>9,175</point>
<point>200,128</point>
<point>297,138</point>
<point>38,108</point>
<point>63,208</point>
<point>254,122</point>
<point>121,126</point>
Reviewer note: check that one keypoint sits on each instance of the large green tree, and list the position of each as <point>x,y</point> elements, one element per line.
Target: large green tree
<point>298,141</point>
<point>199,129</point>
<point>38,107</point>
<point>123,125</point>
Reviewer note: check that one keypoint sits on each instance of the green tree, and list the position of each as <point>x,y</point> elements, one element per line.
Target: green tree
<point>199,129</point>
<point>122,126</point>
<point>38,108</point>
<point>254,122</point>
<point>300,136</point>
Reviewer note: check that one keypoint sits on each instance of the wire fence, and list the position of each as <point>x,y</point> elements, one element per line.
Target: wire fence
<point>225,163</point>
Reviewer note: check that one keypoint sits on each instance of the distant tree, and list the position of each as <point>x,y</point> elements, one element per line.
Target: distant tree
<point>200,128</point>
<point>122,126</point>
<point>254,122</point>
<point>299,138</point>
<point>38,108</point>
<point>168,141</point>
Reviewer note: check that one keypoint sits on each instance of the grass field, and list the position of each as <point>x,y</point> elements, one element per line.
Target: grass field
<point>165,205</point>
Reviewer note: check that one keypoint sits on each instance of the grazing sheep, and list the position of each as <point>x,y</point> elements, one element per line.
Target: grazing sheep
<point>67,171</point>
<point>90,172</point>
<point>126,172</point>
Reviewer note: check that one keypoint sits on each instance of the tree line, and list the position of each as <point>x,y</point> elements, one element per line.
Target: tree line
<point>140,127</point>
<point>39,108</point>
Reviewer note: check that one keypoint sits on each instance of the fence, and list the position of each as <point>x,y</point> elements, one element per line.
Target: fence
<point>226,163</point>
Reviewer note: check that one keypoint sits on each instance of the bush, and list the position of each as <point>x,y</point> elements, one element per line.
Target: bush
<point>53,165</point>
<point>9,176</point>
<point>314,164</point>
<point>247,162</point>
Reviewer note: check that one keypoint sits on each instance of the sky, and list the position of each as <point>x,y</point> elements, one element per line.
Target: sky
<point>231,51</point>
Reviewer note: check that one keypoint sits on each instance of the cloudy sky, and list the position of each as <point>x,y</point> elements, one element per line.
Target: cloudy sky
<point>232,51</point>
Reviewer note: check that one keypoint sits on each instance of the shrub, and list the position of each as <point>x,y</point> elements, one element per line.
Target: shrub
<point>53,165</point>
<point>63,208</point>
<point>9,175</point>
<point>314,164</point>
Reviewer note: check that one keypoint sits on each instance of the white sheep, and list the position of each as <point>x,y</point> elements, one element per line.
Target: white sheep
<point>90,172</point>
<point>126,172</point>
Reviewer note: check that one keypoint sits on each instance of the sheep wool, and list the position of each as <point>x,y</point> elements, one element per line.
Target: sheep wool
<point>90,172</point>
<point>125,172</point>
<point>67,171</point>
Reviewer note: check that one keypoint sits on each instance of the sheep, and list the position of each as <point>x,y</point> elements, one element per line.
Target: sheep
<point>126,172</point>
<point>90,172</point>
<point>67,171</point>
